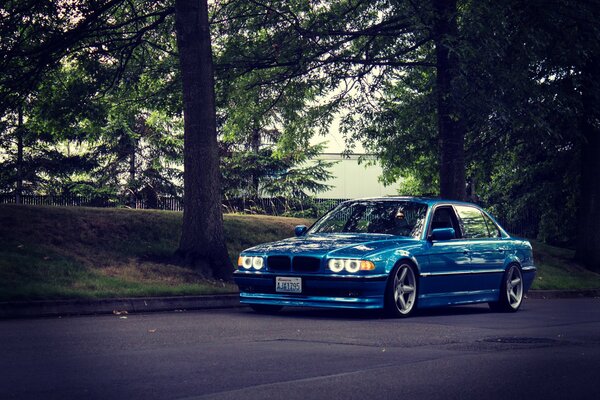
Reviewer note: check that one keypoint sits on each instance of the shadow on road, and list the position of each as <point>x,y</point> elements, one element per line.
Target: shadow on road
<point>343,314</point>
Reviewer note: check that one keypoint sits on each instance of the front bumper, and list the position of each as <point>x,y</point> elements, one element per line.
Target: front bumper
<point>360,291</point>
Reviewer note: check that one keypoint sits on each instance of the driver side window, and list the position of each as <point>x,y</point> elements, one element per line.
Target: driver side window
<point>444,217</point>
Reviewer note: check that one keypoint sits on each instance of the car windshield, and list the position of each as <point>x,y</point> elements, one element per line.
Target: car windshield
<point>400,218</point>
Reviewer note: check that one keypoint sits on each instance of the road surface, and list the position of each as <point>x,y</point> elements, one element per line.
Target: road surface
<point>548,350</point>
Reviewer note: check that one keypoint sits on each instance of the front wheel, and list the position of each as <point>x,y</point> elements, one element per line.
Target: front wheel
<point>401,291</point>
<point>511,291</point>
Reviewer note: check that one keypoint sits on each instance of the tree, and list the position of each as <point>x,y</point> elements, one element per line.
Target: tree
<point>355,49</point>
<point>202,242</point>
<point>39,135</point>
<point>450,124</point>
<point>588,218</point>
<point>588,234</point>
<point>269,172</point>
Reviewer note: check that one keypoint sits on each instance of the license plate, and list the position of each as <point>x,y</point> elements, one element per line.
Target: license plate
<point>288,285</point>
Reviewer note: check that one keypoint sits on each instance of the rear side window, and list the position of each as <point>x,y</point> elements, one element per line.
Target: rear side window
<point>492,227</point>
<point>472,223</point>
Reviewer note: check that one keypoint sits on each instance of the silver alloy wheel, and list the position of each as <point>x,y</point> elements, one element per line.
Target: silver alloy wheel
<point>514,287</point>
<point>405,289</point>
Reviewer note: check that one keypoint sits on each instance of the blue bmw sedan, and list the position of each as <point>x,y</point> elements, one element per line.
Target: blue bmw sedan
<point>393,253</point>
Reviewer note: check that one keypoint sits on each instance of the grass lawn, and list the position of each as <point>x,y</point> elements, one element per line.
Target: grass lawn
<point>558,270</point>
<point>76,252</point>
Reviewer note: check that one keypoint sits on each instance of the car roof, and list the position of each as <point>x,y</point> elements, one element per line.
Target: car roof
<point>431,201</point>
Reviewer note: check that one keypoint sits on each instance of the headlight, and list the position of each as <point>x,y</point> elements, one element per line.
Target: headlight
<point>336,265</point>
<point>350,265</point>
<point>250,262</point>
<point>257,262</point>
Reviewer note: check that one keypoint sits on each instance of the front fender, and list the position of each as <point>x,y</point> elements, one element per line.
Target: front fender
<point>398,255</point>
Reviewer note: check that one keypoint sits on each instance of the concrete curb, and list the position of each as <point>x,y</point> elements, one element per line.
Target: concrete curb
<point>562,294</point>
<point>47,308</point>
<point>50,308</point>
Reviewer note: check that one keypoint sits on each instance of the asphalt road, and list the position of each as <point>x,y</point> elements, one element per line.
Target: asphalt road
<point>548,350</point>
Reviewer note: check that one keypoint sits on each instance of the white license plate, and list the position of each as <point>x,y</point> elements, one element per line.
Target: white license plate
<point>285,284</point>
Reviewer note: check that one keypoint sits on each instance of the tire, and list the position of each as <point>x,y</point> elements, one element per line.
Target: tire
<point>401,293</point>
<point>511,291</point>
<point>265,308</point>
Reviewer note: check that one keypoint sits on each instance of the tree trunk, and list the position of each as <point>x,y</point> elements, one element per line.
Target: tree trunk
<point>588,233</point>
<point>202,243</point>
<point>132,171</point>
<point>451,133</point>
<point>132,164</point>
<point>19,132</point>
<point>255,146</point>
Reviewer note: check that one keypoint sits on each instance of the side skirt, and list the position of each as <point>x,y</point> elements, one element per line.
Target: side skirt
<point>454,298</point>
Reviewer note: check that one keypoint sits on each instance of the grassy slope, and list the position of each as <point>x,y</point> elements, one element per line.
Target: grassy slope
<point>558,270</point>
<point>72,252</point>
<point>56,252</point>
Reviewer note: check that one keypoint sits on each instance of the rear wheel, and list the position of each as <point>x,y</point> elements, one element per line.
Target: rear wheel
<point>401,291</point>
<point>511,291</point>
<point>265,308</point>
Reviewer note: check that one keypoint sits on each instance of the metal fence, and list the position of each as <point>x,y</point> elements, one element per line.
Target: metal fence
<point>308,207</point>
<point>161,203</point>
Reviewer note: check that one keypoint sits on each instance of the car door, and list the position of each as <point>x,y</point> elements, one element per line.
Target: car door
<point>485,246</point>
<point>447,272</point>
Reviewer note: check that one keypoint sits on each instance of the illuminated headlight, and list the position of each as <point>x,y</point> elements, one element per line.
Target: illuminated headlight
<point>350,265</point>
<point>257,262</point>
<point>250,262</point>
<point>336,265</point>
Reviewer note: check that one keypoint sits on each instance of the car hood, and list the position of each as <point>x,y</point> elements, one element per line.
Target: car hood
<point>333,244</point>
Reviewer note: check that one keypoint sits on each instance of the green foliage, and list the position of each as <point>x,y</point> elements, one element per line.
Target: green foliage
<point>266,173</point>
<point>402,132</point>
<point>525,110</point>
<point>104,117</point>
<point>520,96</point>
<point>101,104</point>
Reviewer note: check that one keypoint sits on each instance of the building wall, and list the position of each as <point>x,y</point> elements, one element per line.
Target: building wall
<point>353,180</point>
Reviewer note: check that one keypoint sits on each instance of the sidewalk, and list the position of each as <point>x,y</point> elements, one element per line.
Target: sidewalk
<point>49,308</point>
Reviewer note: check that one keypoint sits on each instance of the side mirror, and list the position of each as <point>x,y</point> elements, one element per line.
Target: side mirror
<point>300,230</point>
<point>442,234</point>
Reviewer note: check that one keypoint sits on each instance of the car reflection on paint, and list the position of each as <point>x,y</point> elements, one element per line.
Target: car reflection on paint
<point>393,253</point>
